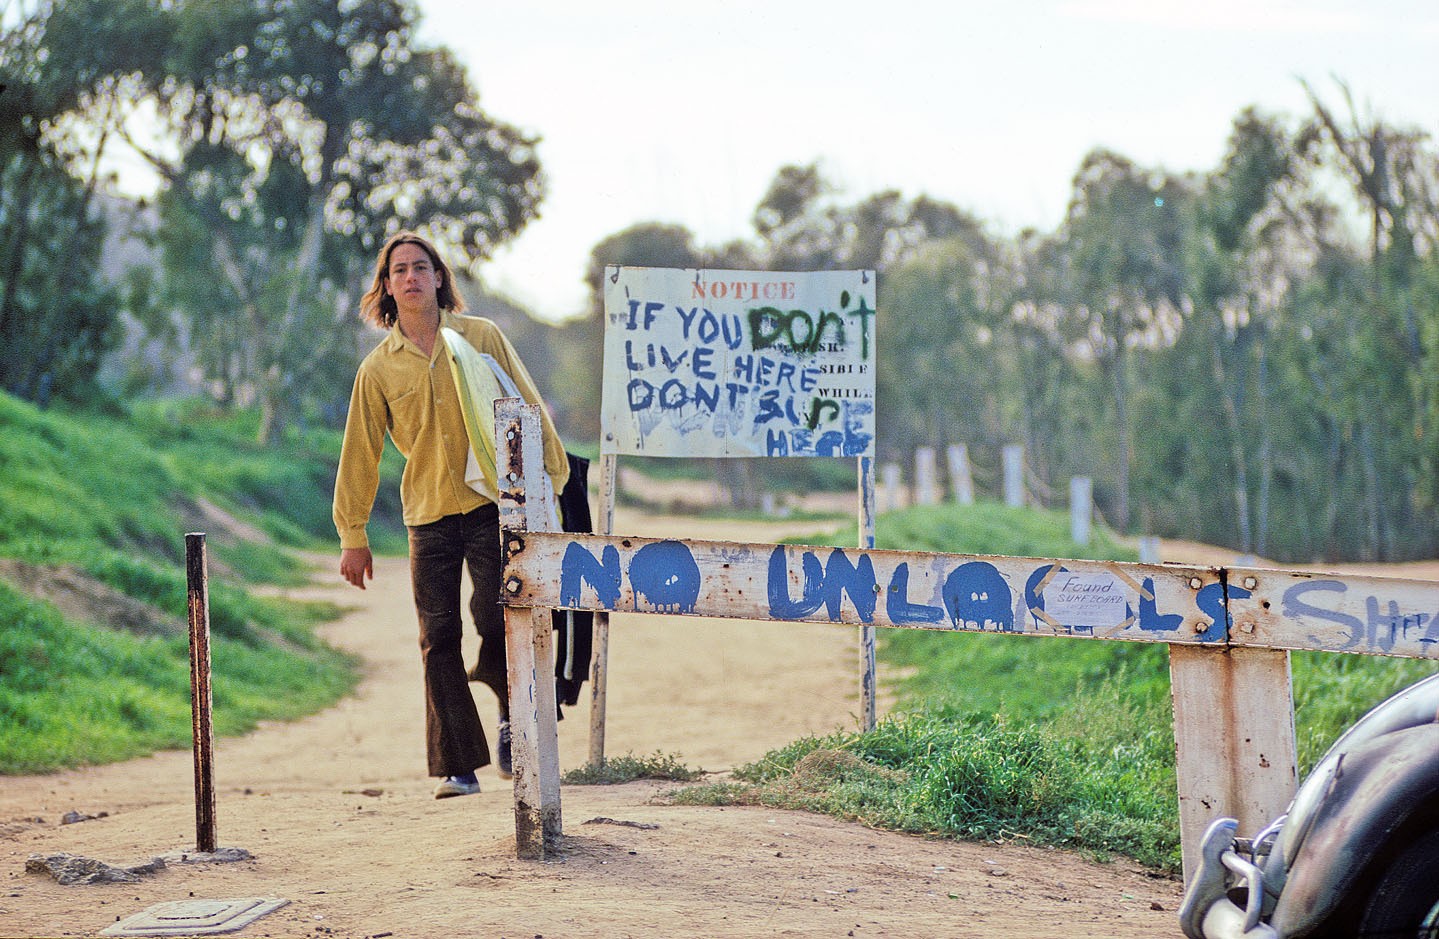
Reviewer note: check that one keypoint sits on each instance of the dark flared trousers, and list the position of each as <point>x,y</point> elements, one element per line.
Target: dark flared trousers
<point>454,740</point>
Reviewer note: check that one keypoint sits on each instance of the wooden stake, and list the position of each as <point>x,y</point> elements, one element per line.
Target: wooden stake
<point>201,699</point>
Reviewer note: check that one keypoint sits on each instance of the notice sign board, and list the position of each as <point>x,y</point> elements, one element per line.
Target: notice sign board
<point>702,363</point>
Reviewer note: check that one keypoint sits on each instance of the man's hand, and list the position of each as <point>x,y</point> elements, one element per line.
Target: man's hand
<point>357,564</point>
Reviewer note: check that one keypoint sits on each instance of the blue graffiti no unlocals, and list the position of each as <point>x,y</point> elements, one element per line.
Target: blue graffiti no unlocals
<point>665,578</point>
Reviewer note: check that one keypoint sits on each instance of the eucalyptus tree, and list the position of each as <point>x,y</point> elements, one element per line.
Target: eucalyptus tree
<point>795,221</point>
<point>644,244</point>
<point>1390,337</point>
<point>1244,258</point>
<point>291,137</point>
<point>938,354</point>
<point>57,311</point>
<point>1047,360</point>
<point>1124,236</point>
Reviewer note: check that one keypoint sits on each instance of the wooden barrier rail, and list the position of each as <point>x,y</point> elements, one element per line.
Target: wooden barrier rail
<point>1228,629</point>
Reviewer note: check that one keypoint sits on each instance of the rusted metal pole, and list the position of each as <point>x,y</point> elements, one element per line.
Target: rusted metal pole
<point>201,699</point>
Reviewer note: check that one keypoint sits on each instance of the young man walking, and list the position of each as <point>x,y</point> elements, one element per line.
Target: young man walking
<point>404,388</point>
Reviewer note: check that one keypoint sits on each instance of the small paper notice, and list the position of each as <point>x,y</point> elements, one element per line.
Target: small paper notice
<point>1096,600</point>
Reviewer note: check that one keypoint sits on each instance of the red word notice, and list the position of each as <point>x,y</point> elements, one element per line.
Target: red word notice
<point>745,290</point>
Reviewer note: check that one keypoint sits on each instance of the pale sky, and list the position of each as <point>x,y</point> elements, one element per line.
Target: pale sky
<point>657,110</point>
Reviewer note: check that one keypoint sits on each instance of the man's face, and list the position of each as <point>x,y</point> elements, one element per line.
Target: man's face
<point>412,279</point>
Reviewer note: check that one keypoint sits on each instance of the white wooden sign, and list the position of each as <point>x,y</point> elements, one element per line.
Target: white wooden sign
<point>702,363</point>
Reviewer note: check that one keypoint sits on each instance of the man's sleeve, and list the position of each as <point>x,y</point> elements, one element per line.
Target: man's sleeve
<point>359,474</point>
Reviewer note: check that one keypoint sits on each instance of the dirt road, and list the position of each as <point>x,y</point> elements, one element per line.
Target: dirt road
<point>337,813</point>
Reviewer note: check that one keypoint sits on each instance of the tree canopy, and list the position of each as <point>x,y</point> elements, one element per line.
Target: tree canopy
<point>291,138</point>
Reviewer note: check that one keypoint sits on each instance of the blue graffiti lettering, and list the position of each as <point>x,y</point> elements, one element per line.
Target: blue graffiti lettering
<point>1150,619</point>
<point>781,606</point>
<point>830,443</point>
<point>579,567</point>
<point>977,596</point>
<point>897,603</point>
<point>1386,629</point>
<point>703,366</point>
<point>770,408</point>
<point>856,441</point>
<point>1295,608</point>
<point>842,576</point>
<point>650,308</point>
<point>1211,603</point>
<point>687,317</point>
<point>641,394</point>
<point>672,363</point>
<point>665,575</point>
<point>823,586</point>
<point>707,397</point>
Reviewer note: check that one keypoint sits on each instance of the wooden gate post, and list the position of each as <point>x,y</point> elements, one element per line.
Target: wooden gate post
<point>527,504</point>
<point>1234,736</point>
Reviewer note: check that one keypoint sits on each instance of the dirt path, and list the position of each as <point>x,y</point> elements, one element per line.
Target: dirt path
<point>336,811</point>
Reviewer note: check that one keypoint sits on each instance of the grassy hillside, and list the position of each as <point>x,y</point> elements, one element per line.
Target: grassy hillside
<point>107,500</point>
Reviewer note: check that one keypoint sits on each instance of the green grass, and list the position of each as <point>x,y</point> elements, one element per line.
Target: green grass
<point>628,768</point>
<point>74,694</point>
<point>114,497</point>
<point>981,778</point>
<point>1053,741</point>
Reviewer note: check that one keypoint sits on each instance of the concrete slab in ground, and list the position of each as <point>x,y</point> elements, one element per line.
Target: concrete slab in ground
<point>195,917</point>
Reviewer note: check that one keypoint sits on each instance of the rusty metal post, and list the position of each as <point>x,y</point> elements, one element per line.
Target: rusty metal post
<point>201,699</point>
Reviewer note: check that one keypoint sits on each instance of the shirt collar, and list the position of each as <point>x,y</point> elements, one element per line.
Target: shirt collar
<point>396,341</point>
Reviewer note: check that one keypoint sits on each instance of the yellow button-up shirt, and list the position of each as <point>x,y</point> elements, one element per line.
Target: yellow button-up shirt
<point>413,397</point>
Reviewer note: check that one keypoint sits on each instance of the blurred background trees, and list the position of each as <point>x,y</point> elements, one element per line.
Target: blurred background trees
<point>1245,356</point>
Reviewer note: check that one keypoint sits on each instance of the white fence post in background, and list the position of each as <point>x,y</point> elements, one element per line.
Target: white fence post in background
<point>961,480</point>
<point>1014,476</point>
<point>1081,508</point>
<point>889,475</point>
<point>926,469</point>
<point>1149,550</point>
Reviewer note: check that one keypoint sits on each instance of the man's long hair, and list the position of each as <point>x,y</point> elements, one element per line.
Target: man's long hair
<point>378,306</point>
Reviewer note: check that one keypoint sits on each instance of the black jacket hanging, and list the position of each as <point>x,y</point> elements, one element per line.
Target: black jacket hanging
<point>574,630</point>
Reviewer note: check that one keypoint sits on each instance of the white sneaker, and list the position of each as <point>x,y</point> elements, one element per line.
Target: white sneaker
<point>454,786</point>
